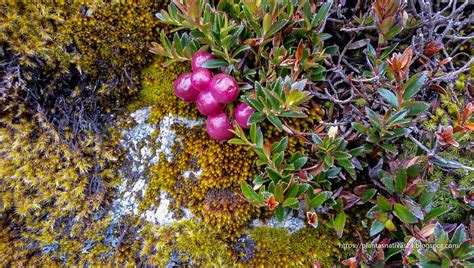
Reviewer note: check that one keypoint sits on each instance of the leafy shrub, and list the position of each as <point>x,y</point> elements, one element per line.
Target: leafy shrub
<point>286,53</point>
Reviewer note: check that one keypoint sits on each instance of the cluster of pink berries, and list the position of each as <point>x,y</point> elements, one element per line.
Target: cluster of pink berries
<point>211,95</point>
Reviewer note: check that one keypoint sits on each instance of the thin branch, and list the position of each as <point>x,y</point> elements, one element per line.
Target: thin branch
<point>446,162</point>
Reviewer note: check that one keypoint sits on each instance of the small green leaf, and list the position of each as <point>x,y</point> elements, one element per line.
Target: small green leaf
<point>253,133</point>
<point>322,13</point>
<point>302,189</point>
<point>278,158</point>
<point>278,191</point>
<point>274,120</point>
<point>376,228</point>
<point>250,194</point>
<point>426,198</point>
<point>373,117</point>
<point>413,85</point>
<point>441,237</point>
<point>389,183</point>
<point>388,51</point>
<point>392,252</point>
<point>436,212</point>
<point>341,155</point>
<point>316,139</point>
<point>299,85</point>
<point>390,225</point>
<point>392,32</point>
<point>319,198</point>
<point>267,23</point>
<point>236,52</point>
<point>293,114</point>
<point>368,194</point>
<point>291,202</point>
<point>281,145</point>
<point>396,118</point>
<point>215,64</point>
<point>359,128</point>
<point>404,214</point>
<point>274,175</point>
<point>414,107</point>
<point>277,27</point>
<point>237,141</point>
<point>280,213</point>
<point>383,203</point>
<point>329,161</point>
<point>400,180</point>
<point>357,151</point>
<point>254,103</point>
<point>293,190</point>
<point>413,171</point>
<point>389,97</point>
<point>255,118</point>
<point>459,235</point>
<point>389,148</point>
<point>300,162</point>
<point>331,50</point>
<point>339,223</point>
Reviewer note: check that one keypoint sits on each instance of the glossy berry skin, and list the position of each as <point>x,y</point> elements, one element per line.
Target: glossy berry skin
<point>199,59</point>
<point>224,88</point>
<point>219,126</point>
<point>242,113</point>
<point>201,78</point>
<point>183,88</point>
<point>207,105</point>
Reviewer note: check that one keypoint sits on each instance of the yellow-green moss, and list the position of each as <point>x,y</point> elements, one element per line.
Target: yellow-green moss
<point>108,40</point>
<point>36,31</point>
<point>194,242</point>
<point>53,194</point>
<point>278,247</point>
<point>113,38</point>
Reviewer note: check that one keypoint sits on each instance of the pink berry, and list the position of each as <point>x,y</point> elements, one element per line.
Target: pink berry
<point>183,88</point>
<point>199,59</point>
<point>207,105</point>
<point>201,78</point>
<point>242,113</point>
<point>219,126</point>
<point>224,88</point>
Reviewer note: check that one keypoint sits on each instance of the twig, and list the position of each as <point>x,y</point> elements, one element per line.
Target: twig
<point>446,162</point>
<point>465,68</point>
<point>361,28</point>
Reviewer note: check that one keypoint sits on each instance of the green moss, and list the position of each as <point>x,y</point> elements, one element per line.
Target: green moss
<point>113,40</point>
<point>54,195</point>
<point>278,247</point>
<point>106,41</point>
<point>36,31</point>
<point>193,241</point>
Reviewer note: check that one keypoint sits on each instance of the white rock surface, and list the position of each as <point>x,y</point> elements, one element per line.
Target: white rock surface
<point>293,222</point>
<point>136,142</point>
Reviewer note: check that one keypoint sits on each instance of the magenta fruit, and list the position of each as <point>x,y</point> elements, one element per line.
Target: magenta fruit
<point>219,127</point>
<point>242,113</point>
<point>183,88</point>
<point>201,78</point>
<point>199,59</point>
<point>207,105</point>
<point>224,88</point>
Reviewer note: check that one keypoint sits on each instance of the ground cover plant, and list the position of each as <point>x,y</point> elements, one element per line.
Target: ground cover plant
<point>274,132</point>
